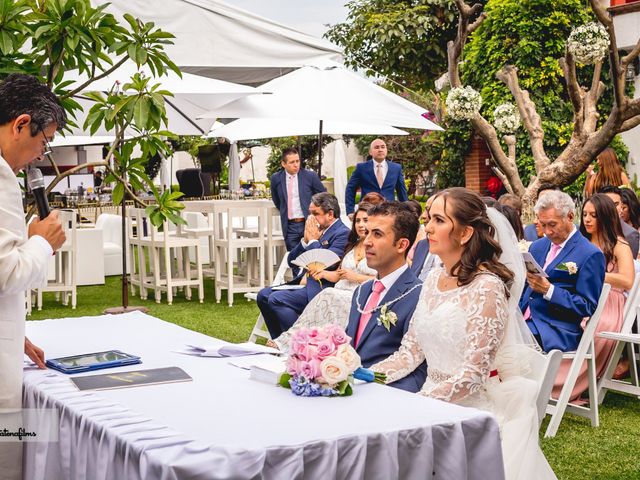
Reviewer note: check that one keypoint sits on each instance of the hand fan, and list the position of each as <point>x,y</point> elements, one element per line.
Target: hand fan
<point>318,258</point>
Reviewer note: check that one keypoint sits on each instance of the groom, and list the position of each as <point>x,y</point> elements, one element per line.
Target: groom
<point>391,230</point>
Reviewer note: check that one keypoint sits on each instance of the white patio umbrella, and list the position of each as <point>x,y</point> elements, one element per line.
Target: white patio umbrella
<point>326,93</point>
<point>193,95</point>
<point>258,128</point>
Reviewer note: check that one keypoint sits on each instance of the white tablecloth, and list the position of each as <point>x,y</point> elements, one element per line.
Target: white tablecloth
<point>223,425</point>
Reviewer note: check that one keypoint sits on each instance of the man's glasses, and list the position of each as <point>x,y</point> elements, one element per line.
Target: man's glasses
<point>47,147</point>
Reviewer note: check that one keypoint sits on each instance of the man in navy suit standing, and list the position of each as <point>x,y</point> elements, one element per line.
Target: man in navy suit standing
<point>376,175</point>
<point>291,192</point>
<point>555,306</point>
<point>323,229</point>
<point>381,309</point>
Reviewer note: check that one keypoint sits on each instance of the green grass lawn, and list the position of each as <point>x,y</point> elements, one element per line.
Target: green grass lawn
<point>578,452</point>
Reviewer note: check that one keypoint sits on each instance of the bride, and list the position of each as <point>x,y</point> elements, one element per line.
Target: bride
<point>468,328</point>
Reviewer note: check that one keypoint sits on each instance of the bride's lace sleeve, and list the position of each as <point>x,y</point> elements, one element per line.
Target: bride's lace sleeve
<point>410,354</point>
<point>487,311</point>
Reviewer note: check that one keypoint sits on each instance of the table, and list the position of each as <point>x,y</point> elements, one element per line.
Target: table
<point>224,425</point>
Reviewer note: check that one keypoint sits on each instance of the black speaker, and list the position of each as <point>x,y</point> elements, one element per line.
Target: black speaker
<point>211,157</point>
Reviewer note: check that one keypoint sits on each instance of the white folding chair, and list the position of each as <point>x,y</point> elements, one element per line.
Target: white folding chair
<point>584,353</point>
<point>258,329</point>
<point>544,368</point>
<point>162,246</point>
<point>626,339</point>
<point>246,251</point>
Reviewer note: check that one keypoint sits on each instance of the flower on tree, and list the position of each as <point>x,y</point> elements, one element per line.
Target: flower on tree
<point>588,43</point>
<point>506,118</point>
<point>463,103</point>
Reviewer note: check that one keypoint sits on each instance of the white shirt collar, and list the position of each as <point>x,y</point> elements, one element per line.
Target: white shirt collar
<point>392,277</point>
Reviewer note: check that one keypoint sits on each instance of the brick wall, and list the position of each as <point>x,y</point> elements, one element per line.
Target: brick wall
<point>476,171</point>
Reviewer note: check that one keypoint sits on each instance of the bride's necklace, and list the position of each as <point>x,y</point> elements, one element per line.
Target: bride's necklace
<point>383,305</point>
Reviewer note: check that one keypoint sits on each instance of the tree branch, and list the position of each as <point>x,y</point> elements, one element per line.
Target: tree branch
<point>629,124</point>
<point>631,56</point>
<point>454,48</point>
<point>617,72</point>
<point>530,117</point>
<point>82,87</point>
<point>575,92</point>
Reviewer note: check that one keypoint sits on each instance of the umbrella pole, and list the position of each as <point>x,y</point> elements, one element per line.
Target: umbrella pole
<point>320,151</point>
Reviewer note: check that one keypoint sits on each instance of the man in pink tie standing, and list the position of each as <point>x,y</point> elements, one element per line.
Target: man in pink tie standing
<point>555,306</point>
<point>381,309</point>
<point>291,192</point>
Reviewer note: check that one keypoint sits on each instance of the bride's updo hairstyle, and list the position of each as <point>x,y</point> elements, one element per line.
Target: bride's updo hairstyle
<point>482,251</point>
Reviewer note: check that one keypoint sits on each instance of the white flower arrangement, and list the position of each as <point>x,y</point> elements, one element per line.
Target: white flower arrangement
<point>570,267</point>
<point>506,118</point>
<point>463,103</point>
<point>588,43</point>
<point>523,245</point>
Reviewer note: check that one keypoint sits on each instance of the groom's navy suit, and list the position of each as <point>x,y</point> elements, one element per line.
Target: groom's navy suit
<point>364,177</point>
<point>575,296</point>
<point>376,343</point>
<point>281,308</point>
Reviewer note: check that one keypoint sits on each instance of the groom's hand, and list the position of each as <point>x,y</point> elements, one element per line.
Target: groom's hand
<point>537,283</point>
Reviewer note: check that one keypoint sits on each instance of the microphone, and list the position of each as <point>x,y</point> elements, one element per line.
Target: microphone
<point>35,180</point>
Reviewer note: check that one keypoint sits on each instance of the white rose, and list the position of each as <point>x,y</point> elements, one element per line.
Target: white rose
<point>334,370</point>
<point>348,355</point>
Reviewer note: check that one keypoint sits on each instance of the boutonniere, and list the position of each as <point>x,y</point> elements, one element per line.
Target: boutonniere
<point>387,318</point>
<point>570,267</point>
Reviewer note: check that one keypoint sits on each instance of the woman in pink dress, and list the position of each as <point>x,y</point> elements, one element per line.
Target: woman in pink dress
<point>601,225</point>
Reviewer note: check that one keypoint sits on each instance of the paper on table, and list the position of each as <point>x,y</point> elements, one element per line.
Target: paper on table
<point>267,362</point>
<point>231,349</point>
<point>533,266</point>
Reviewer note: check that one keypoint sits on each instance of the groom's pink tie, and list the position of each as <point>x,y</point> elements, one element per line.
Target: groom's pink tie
<point>374,298</point>
<point>553,253</point>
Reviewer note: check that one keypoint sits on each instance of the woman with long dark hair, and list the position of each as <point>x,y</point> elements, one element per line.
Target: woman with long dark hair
<point>466,326</point>
<point>630,208</point>
<point>600,224</point>
<point>332,304</point>
<point>610,173</point>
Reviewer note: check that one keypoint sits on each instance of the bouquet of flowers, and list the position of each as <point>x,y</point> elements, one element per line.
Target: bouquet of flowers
<point>322,363</point>
<point>588,43</point>
<point>506,118</point>
<point>463,103</point>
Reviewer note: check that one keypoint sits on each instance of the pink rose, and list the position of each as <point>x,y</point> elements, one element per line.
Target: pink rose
<point>326,348</point>
<point>299,336</point>
<point>293,366</point>
<point>310,369</point>
<point>299,350</point>
<point>316,336</point>
<point>310,352</point>
<point>339,336</point>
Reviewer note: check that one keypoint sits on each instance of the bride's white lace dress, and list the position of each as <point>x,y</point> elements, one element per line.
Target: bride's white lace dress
<point>459,333</point>
<point>331,305</point>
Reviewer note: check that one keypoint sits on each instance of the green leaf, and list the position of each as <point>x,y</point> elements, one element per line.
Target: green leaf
<point>118,194</point>
<point>284,380</point>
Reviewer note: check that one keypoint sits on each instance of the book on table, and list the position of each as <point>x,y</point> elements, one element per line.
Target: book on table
<point>136,378</point>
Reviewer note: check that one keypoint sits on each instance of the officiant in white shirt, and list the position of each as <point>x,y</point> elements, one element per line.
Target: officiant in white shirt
<point>30,114</point>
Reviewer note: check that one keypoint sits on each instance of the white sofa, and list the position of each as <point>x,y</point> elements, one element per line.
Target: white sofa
<point>111,226</point>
